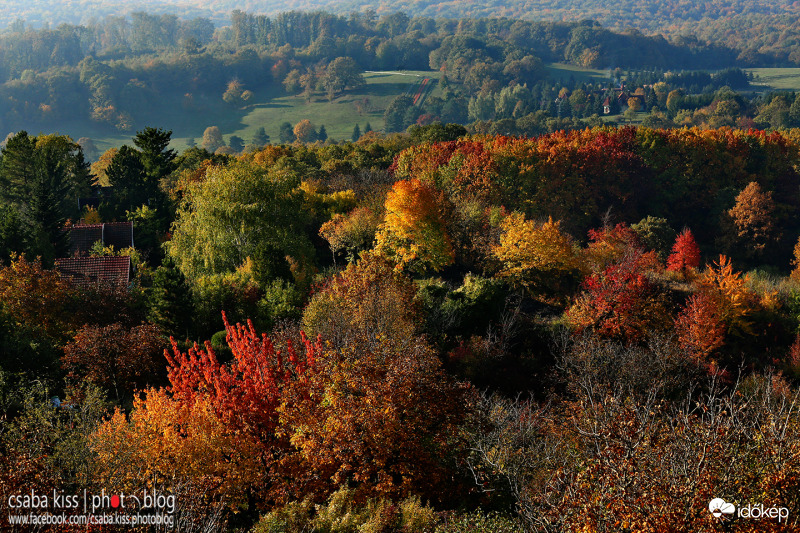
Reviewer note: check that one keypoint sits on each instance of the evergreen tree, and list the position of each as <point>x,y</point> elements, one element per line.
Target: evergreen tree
<point>260,138</point>
<point>169,301</point>
<point>356,133</point>
<point>322,134</point>
<point>42,178</point>
<point>286,133</point>
<point>236,143</point>
<point>367,128</point>
<point>127,175</point>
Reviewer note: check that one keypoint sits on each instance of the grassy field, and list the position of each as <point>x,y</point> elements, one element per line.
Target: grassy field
<point>562,71</point>
<point>776,78</point>
<point>269,110</point>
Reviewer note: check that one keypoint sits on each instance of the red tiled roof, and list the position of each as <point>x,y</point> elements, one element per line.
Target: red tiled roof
<point>90,271</point>
<point>116,234</point>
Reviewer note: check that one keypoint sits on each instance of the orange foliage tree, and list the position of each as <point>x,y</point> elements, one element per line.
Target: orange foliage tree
<point>753,218</point>
<point>413,234</point>
<point>722,307</point>
<point>368,300</point>
<point>381,419</point>
<point>216,425</point>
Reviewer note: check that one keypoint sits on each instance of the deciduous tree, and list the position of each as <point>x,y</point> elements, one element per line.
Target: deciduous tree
<point>414,234</point>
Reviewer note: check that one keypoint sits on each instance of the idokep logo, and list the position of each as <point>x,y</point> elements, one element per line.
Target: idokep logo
<point>719,508</point>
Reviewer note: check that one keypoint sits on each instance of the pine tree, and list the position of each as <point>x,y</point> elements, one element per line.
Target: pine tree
<point>322,134</point>
<point>260,138</point>
<point>286,134</point>
<point>356,133</point>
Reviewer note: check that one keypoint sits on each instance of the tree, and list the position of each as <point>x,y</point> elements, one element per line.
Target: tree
<point>286,134</point>
<point>260,138</point>
<point>116,358</point>
<point>699,326</point>
<point>795,274</point>
<point>304,131</point>
<point>342,73</point>
<point>43,177</point>
<point>367,128</point>
<point>170,305</point>
<point>128,176</point>
<point>99,167</point>
<point>538,257</point>
<point>158,159</point>
<point>394,116</point>
<point>356,133</point>
<point>655,234</point>
<point>366,302</point>
<point>212,139</point>
<point>352,233</point>
<point>381,418</point>
<point>233,93</point>
<point>322,134</point>
<point>12,237</point>
<point>752,221</point>
<point>241,211</point>
<point>414,234</point>
<point>236,143</point>
<point>230,445</point>
<point>620,302</point>
<point>685,253</point>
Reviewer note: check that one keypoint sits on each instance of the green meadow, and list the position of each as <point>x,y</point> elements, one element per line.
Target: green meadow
<point>268,110</point>
<point>787,79</point>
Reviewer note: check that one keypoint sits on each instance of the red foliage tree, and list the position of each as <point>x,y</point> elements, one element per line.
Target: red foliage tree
<point>245,393</point>
<point>685,253</point>
<point>619,301</point>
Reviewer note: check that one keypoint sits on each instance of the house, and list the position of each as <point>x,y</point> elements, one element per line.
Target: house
<point>83,236</point>
<point>93,271</point>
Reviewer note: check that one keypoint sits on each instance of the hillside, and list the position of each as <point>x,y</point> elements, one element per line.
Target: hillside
<point>650,15</point>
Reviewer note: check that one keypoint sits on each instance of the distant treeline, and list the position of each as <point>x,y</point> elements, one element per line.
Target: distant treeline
<point>120,70</point>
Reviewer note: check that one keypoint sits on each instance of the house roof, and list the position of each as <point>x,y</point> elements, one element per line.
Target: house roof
<point>116,234</point>
<point>91,271</point>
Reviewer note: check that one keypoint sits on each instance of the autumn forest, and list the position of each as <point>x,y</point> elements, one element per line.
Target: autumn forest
<point>502,311</point>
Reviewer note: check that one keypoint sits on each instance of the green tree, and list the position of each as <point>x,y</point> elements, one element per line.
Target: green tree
<point>127,175</point>
<point>342,73</point>
<point>322,134</point>
<point>170,305</point>
<point>260,138</point>
<point>356,133</point>
<point>394,117</point>
<point>286,133</point>
<point>158,159</point>
<point>42,177</point>
<point>240,212</point>
<point>236,143</point>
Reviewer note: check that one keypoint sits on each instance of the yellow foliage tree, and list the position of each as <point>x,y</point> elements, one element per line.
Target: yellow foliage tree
<point>413,234</point>
<point>534,256</point>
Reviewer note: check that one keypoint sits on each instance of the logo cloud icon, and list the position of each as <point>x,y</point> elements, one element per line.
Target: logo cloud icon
<point>718,507</point>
